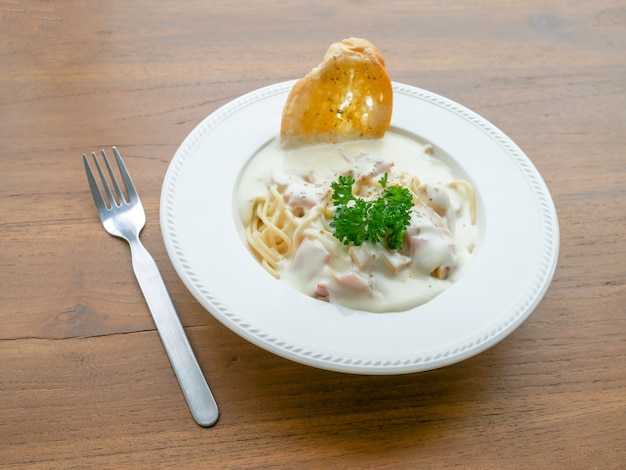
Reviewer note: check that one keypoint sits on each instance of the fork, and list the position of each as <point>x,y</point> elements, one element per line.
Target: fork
<point>123,216</point>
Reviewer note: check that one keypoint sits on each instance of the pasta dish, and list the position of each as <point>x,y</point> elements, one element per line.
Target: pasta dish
<point>286,209</point>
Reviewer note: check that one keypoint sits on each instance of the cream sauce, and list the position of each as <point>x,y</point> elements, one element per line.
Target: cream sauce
<point>368,277</point>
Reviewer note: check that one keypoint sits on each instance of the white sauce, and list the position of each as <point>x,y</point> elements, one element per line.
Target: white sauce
<point>369,277</point>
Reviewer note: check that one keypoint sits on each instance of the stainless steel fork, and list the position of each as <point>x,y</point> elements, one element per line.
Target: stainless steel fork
<point>123,216</point>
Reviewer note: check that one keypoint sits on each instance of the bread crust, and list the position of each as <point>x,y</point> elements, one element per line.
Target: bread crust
<point>348,96</point>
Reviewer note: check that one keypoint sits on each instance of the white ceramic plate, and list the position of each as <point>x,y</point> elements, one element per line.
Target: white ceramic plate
<point>510,272</point>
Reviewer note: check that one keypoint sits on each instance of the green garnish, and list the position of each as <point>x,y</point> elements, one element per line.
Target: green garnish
<point>382,220</point>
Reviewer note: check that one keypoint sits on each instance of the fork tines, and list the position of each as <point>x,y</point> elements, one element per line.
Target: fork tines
<point>119,197</point>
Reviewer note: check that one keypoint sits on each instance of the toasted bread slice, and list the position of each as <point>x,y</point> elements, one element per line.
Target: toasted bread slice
<point>348,96</point>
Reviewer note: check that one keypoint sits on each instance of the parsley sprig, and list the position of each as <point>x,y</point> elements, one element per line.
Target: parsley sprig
<point>382,220</point>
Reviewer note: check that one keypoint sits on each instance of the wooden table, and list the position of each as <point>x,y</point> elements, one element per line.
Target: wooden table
<point>84,381</point>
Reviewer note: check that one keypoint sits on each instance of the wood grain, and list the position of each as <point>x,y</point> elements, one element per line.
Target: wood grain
<point>84,381</point>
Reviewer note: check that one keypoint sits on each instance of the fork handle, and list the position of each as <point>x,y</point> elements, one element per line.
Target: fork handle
<point>190,377</point>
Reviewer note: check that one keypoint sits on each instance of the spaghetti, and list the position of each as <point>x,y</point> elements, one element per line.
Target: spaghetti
<point>288,228</point>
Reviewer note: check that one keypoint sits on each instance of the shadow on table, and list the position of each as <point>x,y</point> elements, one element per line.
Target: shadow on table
<point>370,413</point>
